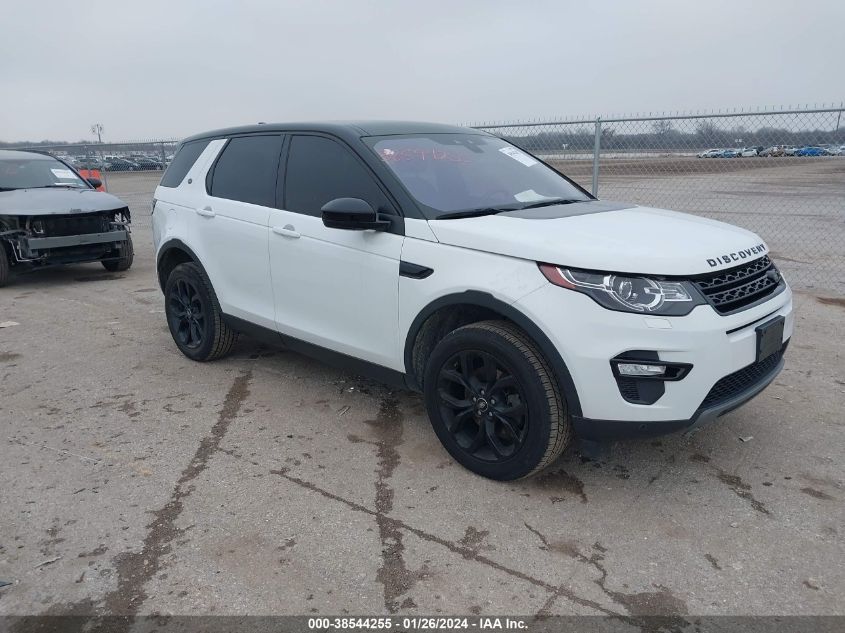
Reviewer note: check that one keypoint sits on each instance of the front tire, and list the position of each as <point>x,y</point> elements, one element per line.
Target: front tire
<point>125,256</point>
<point>494,403</point>
<point>194,316</point>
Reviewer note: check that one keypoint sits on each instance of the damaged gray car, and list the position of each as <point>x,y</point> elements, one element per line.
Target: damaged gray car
<point>50,215</point>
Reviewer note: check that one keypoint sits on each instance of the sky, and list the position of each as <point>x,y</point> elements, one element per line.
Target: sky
<point>149,69</point>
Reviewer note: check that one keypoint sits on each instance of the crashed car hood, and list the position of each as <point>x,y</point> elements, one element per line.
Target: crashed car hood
<point>57,201</point>
<point>596,235</point>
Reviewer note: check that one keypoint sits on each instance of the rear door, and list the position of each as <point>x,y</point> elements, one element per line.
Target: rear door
<point>334,288</point>
<point>231,225</point>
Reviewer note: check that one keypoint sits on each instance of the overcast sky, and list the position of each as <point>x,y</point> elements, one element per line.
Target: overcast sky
<point>169,68</point>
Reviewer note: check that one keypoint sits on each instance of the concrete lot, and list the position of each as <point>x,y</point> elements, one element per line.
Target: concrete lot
<point>135,481</point>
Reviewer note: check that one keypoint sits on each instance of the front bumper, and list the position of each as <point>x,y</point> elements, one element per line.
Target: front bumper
<point>587,336</point>
<point>601,430</point>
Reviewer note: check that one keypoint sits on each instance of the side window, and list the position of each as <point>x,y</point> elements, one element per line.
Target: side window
<point>247,170</point>
<point>185,158</point>
<point>319,170</point>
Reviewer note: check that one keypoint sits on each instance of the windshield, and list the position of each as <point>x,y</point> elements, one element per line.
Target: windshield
<point>36,171</point>
<point>449,173</point>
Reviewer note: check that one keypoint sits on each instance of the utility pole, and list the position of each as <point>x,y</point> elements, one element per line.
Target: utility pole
<point>97,129</point>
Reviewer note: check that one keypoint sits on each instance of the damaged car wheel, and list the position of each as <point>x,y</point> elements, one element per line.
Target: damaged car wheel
<point>121,259</point>
<point>194,316</point>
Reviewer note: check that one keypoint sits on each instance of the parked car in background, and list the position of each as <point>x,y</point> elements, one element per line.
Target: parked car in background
<point>709,153</point>
<point>50,215</point>
<point>774,150</point>
<point>120,164</point>
<point>146,163</point>
<point>812,151</point>
<point>789,150</point>
<point>729,153</point>
<point>91,162</point>
<point>749,151</point>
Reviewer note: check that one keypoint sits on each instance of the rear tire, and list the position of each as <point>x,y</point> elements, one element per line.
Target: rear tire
<point>194,316</point>
<point>125,255</point>
<point>5,272</point>
<point>494,402</point>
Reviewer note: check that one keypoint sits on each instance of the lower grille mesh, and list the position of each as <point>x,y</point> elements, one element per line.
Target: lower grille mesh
<point>740,380</point>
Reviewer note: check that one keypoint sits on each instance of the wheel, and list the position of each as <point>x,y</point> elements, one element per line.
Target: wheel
<point>125,255</point>
<point>493,401</point>
<point>194,316</point>
<point>5,273</point>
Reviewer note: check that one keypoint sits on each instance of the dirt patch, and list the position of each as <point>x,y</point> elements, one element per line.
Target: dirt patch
<point>134,570</point>
<point>714,562</point>
<point>832,301</point>
<point>7,357</point>
<point>741,490</point>
<point>817,494</point>
<point>558,481</point>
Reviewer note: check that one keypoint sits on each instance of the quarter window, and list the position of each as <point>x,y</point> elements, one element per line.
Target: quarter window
<point>319,170</point>
<point>246,170</point>
<point>181,164</point>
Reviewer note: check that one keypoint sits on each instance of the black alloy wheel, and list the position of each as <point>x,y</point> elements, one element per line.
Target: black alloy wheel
<point>194,316</point>
<point>187,314</point>
<point>494,401</point>
<point>483,405</point>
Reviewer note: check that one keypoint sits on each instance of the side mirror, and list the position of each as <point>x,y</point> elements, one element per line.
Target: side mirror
<point>352,214</point>
<point>95,182</point>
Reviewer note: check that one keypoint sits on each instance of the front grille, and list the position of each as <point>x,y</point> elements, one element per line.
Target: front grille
<point>736,288</point>
<point>741,380</point>
<point>60,225</point>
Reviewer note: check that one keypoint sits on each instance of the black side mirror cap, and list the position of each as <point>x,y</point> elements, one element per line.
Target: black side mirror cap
<point>95,182</point>
<point>352,214</point>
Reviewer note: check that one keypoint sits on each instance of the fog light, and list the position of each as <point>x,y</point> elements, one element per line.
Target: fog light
<point>640,369</point>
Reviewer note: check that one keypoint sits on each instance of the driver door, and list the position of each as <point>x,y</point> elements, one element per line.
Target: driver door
<point>335,288</point>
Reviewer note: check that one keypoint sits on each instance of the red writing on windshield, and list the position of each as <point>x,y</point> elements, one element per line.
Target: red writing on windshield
<point>398,155</point>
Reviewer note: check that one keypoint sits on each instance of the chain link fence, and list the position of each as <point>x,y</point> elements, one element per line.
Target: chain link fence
<point>778,173</point>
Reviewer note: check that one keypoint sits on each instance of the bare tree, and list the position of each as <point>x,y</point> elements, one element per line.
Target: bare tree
<point>97,129</point>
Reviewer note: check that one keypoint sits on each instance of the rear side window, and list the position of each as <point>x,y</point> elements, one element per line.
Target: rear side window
<point>320,170</point>
<point>182,163</point>
<point>247,170</point>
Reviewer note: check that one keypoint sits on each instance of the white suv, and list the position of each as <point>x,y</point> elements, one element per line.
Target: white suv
<point>447,260</point>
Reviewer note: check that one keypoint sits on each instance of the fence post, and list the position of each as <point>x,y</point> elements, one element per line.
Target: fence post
<point>596,150</point>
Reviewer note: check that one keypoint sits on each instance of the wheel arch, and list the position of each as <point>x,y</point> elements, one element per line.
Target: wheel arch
<point>455,310</point>
<point>172,253</point>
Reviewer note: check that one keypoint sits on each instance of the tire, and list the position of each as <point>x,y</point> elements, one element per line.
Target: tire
<point>126,256</point>
<point>5,272</point>
<point>194,316</point>
<point>518,436</point>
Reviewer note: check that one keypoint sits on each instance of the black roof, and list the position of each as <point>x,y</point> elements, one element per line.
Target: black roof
<point>344,129</point>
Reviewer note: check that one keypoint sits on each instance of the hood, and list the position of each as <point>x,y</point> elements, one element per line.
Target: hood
<point>596,235</point>
<point>57,201</point>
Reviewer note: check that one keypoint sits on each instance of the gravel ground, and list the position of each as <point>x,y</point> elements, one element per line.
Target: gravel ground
<point>134,481</point>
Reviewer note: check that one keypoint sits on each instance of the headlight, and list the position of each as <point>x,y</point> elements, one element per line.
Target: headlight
<point>628,294</point>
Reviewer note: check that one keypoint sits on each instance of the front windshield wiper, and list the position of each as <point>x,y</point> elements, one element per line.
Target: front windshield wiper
<point>56,185</point>
<point>475,213</point>
<point>549,203</point>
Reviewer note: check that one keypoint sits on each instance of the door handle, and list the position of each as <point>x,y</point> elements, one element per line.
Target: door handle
<point>287,230</point>
<point>206,212</point>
